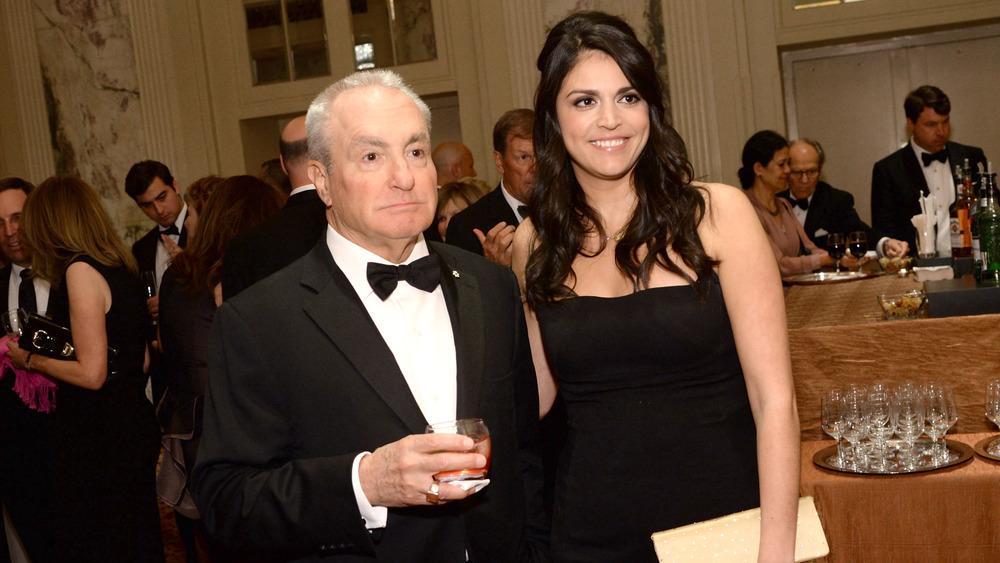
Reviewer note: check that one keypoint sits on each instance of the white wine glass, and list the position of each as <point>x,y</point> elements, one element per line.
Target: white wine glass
<point>910,420</point>
<point>993,406</point>
<point>13,322</point>
<point>882,423</point>
<point>833,423</point>
<point>936,414</point>
<point>855,423</point>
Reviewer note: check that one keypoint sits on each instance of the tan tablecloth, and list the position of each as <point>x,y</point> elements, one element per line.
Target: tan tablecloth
<point>942,516</point>
<point>838,335</point>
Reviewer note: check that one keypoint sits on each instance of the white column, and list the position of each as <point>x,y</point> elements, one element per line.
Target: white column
<point>27,84</point>
<point>525,36</point>
<point>151,43</point>
<point>689,63</point>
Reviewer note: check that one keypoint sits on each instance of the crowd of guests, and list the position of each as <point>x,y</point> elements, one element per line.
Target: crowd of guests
<point>638,309</point>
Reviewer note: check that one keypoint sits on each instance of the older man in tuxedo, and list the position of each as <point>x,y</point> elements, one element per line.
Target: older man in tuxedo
<point>325,374</point>
<point>288,234</point>
<point>823,209</point>
<point>487,226</point>
<point>921,169</point>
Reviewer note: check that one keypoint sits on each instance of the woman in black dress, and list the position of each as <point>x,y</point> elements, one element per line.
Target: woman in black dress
<point>98,491</point>
<point>190,292</point>
<point>656,305</point>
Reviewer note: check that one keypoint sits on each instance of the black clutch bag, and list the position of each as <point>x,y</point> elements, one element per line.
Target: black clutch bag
<point>45,337</point>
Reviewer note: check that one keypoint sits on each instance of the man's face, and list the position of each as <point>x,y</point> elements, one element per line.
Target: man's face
<point>161,202</point>
<point>517,166</point>
<point>11,204</point>
<point>381,190</point>
<point>931,130</point>
<point>805,170</point>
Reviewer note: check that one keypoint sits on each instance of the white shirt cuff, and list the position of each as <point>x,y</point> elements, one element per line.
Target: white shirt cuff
<point>374,516</point>
<point>879,247</point>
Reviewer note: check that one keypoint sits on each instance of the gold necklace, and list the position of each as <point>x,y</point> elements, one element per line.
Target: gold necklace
<point>617,236</point>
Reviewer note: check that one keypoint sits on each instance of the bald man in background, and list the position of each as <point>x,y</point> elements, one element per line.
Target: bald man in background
<point>289,233</point>
<point>453,161</point>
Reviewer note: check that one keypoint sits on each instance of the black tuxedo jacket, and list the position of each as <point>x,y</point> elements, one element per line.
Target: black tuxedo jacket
<point>144,249</point>
<point>5,285</point>
<point>301,382</point>
<point>833,211</point>
<point>897,183</point>
<point>275,243</point>
<point>484,214</point>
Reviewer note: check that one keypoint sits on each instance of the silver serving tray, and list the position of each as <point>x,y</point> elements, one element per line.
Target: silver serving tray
<point>958,453</point>
<point>828,277</point>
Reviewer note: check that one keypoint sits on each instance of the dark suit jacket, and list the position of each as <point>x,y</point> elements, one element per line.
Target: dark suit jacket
<point>275,243</point>
<point>144,249</point>
<point>301,382</point>
<point>897,183</point>
<point>833,211</point>
<point>491,209</point>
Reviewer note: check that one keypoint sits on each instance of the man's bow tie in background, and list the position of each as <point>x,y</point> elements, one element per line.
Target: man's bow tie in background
<point>424,274</point>
<point>171,230</point>
<point>803,203</point>
<point>929,157</point>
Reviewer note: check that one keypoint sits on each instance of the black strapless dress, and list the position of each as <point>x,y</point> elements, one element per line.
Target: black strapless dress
<point>660,429</point>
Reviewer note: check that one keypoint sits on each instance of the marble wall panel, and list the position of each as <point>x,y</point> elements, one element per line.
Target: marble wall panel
<point>86,54</point>
<point>645,17</point>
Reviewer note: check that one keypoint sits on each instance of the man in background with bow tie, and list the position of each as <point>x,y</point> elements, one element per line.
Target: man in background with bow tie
<point>823,209</point>
<point>154,190</point>
<point>922,168</point>
<point>325,374</point>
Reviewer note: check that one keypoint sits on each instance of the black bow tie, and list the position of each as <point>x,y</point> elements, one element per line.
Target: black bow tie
<point>171,230</point>
<point>522,210</point>
<point>803,203</point>
<point>424,274</point>
<point>929,157</point>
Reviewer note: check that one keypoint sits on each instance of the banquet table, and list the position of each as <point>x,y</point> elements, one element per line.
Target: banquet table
<point>838,335</point>
<point>951,514</point>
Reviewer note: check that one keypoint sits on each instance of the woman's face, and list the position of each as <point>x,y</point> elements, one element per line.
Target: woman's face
<point>775,174</point>
<point>449,210</point>
<point>604,122</point>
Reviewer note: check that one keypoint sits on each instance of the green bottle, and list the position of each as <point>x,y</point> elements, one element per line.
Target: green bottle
<point>988,219</point>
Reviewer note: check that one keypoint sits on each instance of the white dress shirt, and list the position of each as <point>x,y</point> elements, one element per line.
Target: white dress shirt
<point>162,256</point>
<point>512,201</point>
<point>41,290</point>
<point>416,326</point>
<point>941,184</point>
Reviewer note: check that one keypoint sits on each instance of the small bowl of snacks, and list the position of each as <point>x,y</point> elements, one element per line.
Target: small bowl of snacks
<point>909,305</point>
<point>900,265</point>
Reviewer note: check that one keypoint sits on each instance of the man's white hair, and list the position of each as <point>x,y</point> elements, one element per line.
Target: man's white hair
<point>318,132</point>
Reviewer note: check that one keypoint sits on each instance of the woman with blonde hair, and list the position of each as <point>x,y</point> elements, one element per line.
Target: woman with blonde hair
<point>98,450</point>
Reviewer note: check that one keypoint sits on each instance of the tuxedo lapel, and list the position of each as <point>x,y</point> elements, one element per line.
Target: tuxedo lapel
<point>914,172</point>
<point>339,313</point>
<point>466,311</point>
<point>5,286</point>
<point>819,206</point>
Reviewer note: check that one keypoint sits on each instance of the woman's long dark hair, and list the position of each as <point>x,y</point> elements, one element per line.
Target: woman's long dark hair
<point>236,204</point>
<point>759,149</point>
<point>668,208</point>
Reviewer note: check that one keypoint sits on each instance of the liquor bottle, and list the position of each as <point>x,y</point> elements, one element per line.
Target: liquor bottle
<point>989,231</point>
<point>970,189</point>
<point>958,212</point>
<point>981,204</point>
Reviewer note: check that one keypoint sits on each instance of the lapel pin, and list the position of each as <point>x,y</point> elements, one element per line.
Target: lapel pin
<point>454,273</point>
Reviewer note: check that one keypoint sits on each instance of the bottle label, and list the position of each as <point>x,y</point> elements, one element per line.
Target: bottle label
<point>956,233</point>
<point>965,226</point>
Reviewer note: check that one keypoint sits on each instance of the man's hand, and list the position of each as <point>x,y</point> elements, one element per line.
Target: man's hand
<point>153,306</point>
<point>497,242</point>
<point>893,248</point>
<point>400,473</point>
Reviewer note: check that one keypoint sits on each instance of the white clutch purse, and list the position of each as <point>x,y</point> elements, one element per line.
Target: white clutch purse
<point>736,538</point>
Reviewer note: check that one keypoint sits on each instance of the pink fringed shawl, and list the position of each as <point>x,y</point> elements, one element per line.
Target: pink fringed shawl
<point>36,390</point>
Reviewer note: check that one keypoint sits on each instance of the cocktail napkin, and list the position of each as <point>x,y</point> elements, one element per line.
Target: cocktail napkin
<point>927,273</point>
<point>477,484</point>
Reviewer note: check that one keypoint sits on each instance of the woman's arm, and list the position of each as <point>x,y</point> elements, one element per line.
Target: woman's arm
<point>89,301</point>
<point>754,298</point>
<point>547,387</point>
